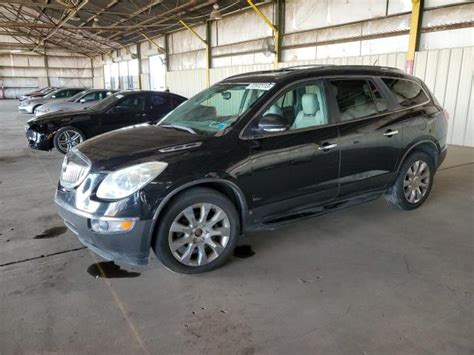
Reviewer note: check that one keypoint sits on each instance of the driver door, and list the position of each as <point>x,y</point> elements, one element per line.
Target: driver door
<point>299,167</point>
<point>130,110</point>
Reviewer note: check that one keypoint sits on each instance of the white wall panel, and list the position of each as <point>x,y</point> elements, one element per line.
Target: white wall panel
<point>245,26</point>
<point>449,75</point>
<point>303,15</point>
<point>447,72</point>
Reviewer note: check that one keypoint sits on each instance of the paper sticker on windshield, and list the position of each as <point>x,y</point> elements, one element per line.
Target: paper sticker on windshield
<point>260,86</point>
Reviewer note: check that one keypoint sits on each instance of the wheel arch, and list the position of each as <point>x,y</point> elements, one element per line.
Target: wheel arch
<point>223,186</point>
<point>426,146</point>
<point>35,107</point>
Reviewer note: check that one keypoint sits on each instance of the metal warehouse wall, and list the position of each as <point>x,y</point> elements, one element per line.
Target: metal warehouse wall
<point>447,72</point>
<point>333,32</point>
<point>20,73</point>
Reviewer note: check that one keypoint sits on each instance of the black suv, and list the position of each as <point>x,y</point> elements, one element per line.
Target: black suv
<point>255,151</point>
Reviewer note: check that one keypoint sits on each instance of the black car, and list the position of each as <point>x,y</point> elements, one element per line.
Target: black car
<point>65,130</point>
<point>255,151</point>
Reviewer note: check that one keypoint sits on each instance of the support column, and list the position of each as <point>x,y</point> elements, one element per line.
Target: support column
<point>276,32</point>
<point>208,53</point>
<point>414,38</point>
<point>46,67</point>
<point>208,49</point>
<point>140,69</point>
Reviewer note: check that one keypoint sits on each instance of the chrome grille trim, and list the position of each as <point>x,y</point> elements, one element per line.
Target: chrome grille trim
<point>74,170</point>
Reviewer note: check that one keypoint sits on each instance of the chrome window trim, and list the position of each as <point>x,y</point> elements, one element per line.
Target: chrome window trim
<point>366,77</point>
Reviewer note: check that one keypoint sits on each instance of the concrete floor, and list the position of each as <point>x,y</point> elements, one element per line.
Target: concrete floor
<point>366,280</point>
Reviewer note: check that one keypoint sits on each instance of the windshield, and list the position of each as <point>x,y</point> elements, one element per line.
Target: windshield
<point>77,96</point>
<point>101,105</point>
<point>214,110</point>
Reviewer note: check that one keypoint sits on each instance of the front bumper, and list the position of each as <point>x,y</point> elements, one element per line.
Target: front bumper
<point>25,109</point>
<point>37,140</point>
<point>132,247</point>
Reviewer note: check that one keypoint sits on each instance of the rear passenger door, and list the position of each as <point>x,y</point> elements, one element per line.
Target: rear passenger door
<point>369,135</point>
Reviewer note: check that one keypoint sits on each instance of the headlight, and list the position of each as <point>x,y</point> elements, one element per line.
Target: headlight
<point>124,182</point>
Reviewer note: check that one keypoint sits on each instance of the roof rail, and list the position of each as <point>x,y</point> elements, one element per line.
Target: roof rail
<point>306,66</point>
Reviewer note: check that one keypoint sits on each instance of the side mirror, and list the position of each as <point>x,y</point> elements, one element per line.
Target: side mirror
<point>53,97</point>
<point>273,123</point>
<point>82,101</point>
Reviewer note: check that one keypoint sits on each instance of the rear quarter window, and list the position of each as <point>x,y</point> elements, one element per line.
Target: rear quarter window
<point>406,92</point>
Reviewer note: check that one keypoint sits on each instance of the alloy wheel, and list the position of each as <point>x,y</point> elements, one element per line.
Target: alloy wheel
<point>416,182</point>
<point>69,139</point>
<point>199,234</point>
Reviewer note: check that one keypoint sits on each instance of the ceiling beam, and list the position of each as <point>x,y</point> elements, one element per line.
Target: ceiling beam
<point>31,3</point>
<point>100,12</point>
<point>66,19</point>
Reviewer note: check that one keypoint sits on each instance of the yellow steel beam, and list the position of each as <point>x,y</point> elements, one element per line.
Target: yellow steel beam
<point>413,38</point>
<point>208,49</point>
<point>276,33</point>
<point>160,49</point>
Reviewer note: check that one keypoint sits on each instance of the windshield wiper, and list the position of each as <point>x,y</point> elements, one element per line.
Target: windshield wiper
<point>180,128</point>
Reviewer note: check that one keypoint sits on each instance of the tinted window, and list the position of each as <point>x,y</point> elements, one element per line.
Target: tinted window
<point>354,98</point>
<point>62,93</point>
<point>302,106</point>
<point>160,104</point>
<point>406,92</point>
<point>133,102</point>
<point>379,100</point>
<point>175,101</point>
<point>89,97</point>
<point>72,92</point>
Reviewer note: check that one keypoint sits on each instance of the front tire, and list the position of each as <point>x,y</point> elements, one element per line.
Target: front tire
<point>414,182</point>
<point>67,138</point>
<point>197,232</point>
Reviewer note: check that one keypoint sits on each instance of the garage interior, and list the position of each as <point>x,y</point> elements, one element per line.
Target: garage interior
<point>368,279</point>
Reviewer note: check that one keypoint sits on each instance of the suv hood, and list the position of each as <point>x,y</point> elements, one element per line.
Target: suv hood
<point>135,144</point>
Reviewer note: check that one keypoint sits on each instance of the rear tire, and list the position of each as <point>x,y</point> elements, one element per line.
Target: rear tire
<point>66,138</point>
<point>197,232</point>
<point>414,182</point>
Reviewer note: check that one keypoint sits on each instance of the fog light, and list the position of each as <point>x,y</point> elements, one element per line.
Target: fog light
<point>112,226</point>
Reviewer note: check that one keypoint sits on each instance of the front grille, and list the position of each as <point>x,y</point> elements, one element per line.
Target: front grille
<point>74,170</point>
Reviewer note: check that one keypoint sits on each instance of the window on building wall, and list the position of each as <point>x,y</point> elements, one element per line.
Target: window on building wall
<point>157,73</point>
<point>123,71</point>
<point>114,76</point>
<point>107,77</point>
<point>133,79</point>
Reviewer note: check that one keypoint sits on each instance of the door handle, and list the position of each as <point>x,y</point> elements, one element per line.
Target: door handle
<point>327,146</point>
<point>390,133</point>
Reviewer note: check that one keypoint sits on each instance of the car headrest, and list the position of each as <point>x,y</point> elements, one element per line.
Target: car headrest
<point>310,104</point>
<point>406,89</point>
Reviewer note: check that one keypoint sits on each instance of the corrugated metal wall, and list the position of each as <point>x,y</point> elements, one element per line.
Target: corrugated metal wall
<point>20,72</point>
<point>447,72</point>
